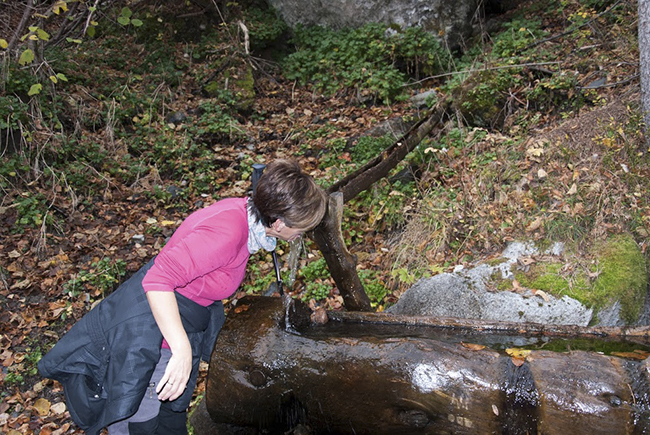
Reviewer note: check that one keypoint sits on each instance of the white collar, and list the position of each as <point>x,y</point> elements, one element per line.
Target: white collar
<point>257,237</point>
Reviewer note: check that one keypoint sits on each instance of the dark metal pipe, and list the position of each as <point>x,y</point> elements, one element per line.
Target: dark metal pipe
<point>258,169</point>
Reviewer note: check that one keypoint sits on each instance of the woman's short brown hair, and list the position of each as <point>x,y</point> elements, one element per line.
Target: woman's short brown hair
<point>287,193</point>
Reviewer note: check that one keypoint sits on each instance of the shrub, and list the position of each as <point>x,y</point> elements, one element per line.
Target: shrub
<point>372,60</point>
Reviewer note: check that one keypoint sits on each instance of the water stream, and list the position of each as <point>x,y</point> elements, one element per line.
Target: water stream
<point>295,249</point>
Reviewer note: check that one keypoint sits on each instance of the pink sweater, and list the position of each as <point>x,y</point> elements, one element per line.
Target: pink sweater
<point>205,259</point>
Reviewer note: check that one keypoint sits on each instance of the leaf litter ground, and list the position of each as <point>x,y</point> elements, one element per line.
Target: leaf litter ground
<point>578,179</point>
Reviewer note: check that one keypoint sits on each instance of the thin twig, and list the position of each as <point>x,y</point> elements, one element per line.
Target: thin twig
<point>21,27</point>
<point>470,71</point>
<point>611,85</point>
<point>90,15</point>
<point>571,30</point>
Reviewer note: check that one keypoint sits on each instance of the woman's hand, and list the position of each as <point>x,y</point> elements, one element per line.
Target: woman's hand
<point>177,373</point>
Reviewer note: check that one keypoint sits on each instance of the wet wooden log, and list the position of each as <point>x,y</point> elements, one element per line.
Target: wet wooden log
<point>382,374</point>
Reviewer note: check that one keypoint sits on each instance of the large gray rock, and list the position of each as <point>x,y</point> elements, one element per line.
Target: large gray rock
<point>453,19</point>
<point>466,294</point>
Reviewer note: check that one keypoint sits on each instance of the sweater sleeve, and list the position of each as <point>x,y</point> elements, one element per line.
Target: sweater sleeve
<point>211,244</point>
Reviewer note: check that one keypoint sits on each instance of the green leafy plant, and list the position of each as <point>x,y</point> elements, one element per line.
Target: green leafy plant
<point>126,18</point>
<point>371,60</point>
<point>316,276</point>
<point>103,276</point>
<point>375,290</point>
<point>32,210</point>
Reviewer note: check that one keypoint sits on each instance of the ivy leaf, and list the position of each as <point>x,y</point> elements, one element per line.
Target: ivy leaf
<point>59,6</point>
<point>136,22</point>
<point>35,89</point>
<point>123,20</point>
<point>3,43</point>
<point>42,34</point>
<point>26,57</point>
<point>126,12</point>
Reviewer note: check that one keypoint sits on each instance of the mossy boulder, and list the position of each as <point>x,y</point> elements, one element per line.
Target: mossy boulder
<point>612,280</point>
<point>239,83</point>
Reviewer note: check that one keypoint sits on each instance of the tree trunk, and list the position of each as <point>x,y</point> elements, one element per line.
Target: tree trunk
<point>328,237</point>
<point>341,264</point>
<point>644,64</point>
<point>383,374</point>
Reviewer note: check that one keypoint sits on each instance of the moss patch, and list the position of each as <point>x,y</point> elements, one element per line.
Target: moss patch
<point>616,272</point>
<point>622,275</point>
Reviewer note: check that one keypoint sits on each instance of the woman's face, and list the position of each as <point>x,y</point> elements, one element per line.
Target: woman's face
<point>284,232</point>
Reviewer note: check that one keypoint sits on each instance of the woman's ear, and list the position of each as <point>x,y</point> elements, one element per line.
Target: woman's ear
<point>278,225</point>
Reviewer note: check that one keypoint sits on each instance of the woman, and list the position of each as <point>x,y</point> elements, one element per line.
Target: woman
<point>131,363</point>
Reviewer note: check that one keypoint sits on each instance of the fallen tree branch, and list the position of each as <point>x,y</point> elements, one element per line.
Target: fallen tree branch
<point>21,26</point>
<point>571,30</point>
<point>493,68</point>
<point>328,237</point>
<point>380,166</point>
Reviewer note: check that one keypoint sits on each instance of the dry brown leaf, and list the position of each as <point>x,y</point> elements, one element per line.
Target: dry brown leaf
<point>241,308</point>
<point>58,408</point>
<point>637,354</point>
<point>535,224</point>
<point>518,361</point>
<point>515,352</point>
<point>573,189</point>
<point>472,346</point>
<point>526,261</point>
<point>542,294</point>
<point>42,406</point>
<point>62,430</point>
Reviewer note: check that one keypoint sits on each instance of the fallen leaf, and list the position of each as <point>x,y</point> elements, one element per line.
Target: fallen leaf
<point>38,387</point>
<point>495,410</point>
<point>241,308</point>
<point>62,430</point>
<point>319,316</point>
<point>517,353</point>
<point>573,189</point>
<point>14,254</point>
<point>535,152</point>
<point>637,354</point>
<point>526,261</point>
<point>518,361</point>
<point>541,174</point>
<point>535,224</point>
<point>21,284</point>
<point>58,408</point>
<point>42,406</point>
<point>542,294</point>
<point>472,346</point>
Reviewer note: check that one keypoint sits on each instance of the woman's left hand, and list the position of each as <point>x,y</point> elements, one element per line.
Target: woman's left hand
<point>177,374</point>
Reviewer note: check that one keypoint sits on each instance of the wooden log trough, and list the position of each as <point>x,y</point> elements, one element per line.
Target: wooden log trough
<point>273,371</point>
